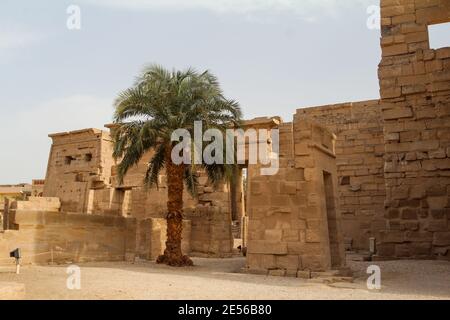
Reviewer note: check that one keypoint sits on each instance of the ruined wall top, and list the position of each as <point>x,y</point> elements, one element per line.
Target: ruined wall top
<point>317,135</point>
<point>344,113</point>
<point>77,136</point>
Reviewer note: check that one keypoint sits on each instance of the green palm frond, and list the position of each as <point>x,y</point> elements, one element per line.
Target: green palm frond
<point>155,166</point>
<point>191,180</point>
<point>218,173</point>
<point>160,102</point>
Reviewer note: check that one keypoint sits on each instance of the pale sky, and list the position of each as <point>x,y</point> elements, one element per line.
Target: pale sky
<point>273,56</point>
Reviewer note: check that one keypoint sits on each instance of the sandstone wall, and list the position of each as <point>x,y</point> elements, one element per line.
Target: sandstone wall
<point>144,202</point>
<point>293,219</point>
<point>44,237</point>
<point>79,161</point>
<point>359,159</point>
<point>47,204</point>
<point>211,221</point>
<point>211,232</point>
<point>415,92</point>
<point>152,238</point>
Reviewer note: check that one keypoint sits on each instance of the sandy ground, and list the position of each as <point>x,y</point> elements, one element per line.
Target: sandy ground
<point>222,279</point>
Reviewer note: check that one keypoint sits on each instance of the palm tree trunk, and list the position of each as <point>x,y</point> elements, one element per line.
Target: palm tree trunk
<point>173,255</point>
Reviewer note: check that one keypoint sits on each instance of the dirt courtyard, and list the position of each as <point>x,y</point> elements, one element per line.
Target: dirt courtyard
<point>222,279</point>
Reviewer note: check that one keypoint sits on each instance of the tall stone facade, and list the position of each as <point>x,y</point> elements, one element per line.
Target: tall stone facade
<point>415,104</point>
<point>359,158</point>
<point>293,216</point>
<point>79,161</point>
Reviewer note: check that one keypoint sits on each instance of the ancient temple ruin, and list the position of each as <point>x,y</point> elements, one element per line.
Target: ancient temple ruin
<point>357,176</point>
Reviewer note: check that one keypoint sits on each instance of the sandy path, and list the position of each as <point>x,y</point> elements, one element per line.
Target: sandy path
<point>221,279</point>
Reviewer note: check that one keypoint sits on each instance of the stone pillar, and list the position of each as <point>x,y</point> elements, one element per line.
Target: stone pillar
<point>293,216</point>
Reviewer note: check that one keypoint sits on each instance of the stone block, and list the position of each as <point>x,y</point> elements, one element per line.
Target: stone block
<point>441,238</point>
<point>290,235</point>
<point>418,236</point>
<point>409,214</point>
<point>409,225</point>
<point>314,262</point>
<point>304,274</point>
<point>437,225</point>
<point>288,262</point>
<point>396,49</point>
<point>420,249</point>
<point>277,273</point>
<point>436,203</point>
<point>260,261</point>
<point>288,188</point>
<point>291,273</point>
<point>386,249</point>
<point>313,236</point>
<point>403,250</point>
<point>302,149</point>
<point>392,237</point>
<point>273,235</point>
<point>305,162</point>
<point>267,247</point>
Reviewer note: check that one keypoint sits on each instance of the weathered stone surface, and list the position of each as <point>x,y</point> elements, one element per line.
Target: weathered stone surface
<point>417,132</point>
<point>59,237</point>
<point>441,238</point>
<point>288,224</point>
<point>267,247</point>
<point>359,151</point>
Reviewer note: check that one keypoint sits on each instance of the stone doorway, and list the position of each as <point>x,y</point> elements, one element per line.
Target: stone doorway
<point>238,201</point>
<point>332,222</point>
<point>122,201</point>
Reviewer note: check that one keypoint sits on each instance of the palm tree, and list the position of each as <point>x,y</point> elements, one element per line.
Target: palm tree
<point>146,114</point>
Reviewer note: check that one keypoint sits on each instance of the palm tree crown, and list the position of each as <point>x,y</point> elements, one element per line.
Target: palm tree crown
<point>147,114</point>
